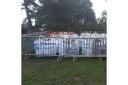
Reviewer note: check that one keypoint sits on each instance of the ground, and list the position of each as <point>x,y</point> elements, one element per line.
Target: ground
<point>46,71</point>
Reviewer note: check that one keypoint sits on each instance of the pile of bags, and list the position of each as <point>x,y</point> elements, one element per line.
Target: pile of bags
<point>56,46</point>
<point>48,46</point>
<point>72,47</point>
<point>69,44</point>
<point>93,35</point>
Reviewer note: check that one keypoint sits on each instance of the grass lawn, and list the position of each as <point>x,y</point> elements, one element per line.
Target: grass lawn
<point>87,71</point>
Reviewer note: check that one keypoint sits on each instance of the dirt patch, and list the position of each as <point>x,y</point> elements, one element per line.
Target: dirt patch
<point>76,78</point>
<point>73,78</point>
<point>53,76</point>
<point>46,82</point>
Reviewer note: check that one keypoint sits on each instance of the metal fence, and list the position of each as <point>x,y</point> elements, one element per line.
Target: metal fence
<point>65,47</point>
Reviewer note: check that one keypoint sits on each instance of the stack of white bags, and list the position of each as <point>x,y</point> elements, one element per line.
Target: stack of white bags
<point>55,46</point>
<point>49,46</point>
<point>69,44</point>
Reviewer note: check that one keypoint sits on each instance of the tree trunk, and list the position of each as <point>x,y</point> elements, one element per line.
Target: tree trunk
<point>28,17</point>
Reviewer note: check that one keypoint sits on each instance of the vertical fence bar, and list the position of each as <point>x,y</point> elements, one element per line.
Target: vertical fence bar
<point>89,45</point>
<point>63,47</point>
<point>40,45</point>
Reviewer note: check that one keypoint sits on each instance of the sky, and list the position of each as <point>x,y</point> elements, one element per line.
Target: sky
<point>98,6</point>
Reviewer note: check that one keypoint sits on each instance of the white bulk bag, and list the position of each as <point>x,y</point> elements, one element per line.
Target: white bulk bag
<point>86,46</point>
<point>51,47</point>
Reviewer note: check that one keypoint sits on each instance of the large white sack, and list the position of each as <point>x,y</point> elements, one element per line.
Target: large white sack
<point>52,47</point>
<point>86,46</point>
<point>45,50</point>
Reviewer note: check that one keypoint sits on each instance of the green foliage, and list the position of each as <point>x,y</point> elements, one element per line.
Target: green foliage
<point>65,15</point>
<point>101,22</point>
<point>30,7</point>
<point>24,26</point>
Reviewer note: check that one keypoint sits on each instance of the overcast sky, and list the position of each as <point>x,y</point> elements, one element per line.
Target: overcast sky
<point>98,6</point>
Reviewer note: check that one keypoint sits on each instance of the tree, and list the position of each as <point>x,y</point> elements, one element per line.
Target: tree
<point>65,15</point>
<point>102,21</point>
<point>30,7</point>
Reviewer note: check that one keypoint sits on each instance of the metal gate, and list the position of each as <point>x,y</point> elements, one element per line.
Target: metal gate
<point>86,47</point>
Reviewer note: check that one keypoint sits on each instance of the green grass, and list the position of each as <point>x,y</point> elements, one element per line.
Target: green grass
<point>87,71</point>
